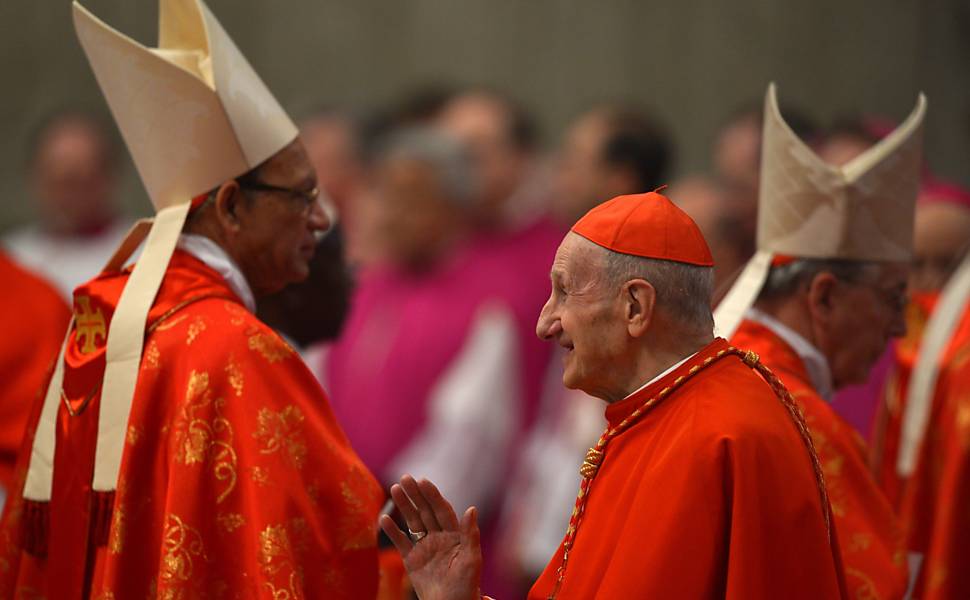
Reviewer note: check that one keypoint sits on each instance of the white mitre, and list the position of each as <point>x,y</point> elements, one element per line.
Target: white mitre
<point>808,208</point>
<point>193,114</point>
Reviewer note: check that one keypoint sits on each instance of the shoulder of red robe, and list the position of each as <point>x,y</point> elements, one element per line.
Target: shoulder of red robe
<point>647,225</point>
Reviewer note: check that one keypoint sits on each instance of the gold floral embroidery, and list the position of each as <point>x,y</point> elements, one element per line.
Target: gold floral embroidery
<point>238,313</point>
<point>356,529</point>
<point>133,435</point>
<point>105,595</point>
<point>152,355</point>
<point>858,542</point>
<point>260,476</point>
<point>119,527</point>
<point>230,521</point>
<point>181,547</point>
<point>205,441</point>
<point>274,548</point>
<point>269,345</point>
<point>197,327</point>
<point>282,430</point>
<point>937,576</point>
<point>235,375</point>
<point>170,323</point>
<point>860,585</point>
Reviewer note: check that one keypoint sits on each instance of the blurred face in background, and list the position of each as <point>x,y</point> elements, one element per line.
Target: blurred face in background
<point>332,145</point>
<point>482,123</point>
<point>737,155</point>
<point>73,178</point>
<point>417,220</point>
<point>583,178</point>
<point>941,238</point>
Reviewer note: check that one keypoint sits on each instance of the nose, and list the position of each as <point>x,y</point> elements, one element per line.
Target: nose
<point>318,219</point>
<point>548,325</point>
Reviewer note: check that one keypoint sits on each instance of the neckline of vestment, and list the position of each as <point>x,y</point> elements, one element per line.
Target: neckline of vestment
<point>618,411</point>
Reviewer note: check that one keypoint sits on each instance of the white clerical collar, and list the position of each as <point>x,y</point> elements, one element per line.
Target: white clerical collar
<point>218,260</point>
<point>815,363</point>
<point>668,371</point>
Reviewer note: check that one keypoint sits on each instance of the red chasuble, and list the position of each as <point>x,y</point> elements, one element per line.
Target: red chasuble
<point>871,538</point>
<point>33,318</point>
<point>888,425</point>
<point>236,481</point>
<point>936,501</point>
<point>710,494</point>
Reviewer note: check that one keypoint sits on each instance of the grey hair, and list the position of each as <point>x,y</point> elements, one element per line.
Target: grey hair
<point>785,280</point>
<point>448,157</point>
<point>683,290</point>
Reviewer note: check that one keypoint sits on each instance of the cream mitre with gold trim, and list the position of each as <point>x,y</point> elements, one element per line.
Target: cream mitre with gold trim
<point>810,209</point>
<point>193,114</point>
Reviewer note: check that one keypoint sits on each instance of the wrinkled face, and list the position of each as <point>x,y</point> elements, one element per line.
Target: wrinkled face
<point>72,179</point>
<point>276,235</point>
<point>858,321</point>
<point>585,316</point>
<point>941,237</point>
<point>481,124</point>
<point>416,218</point>
<point>581,174</point>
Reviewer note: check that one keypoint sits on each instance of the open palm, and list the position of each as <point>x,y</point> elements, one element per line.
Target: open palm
<point>446,563</point>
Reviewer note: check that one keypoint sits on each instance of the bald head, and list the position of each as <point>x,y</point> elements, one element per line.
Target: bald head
<point>941,238</point>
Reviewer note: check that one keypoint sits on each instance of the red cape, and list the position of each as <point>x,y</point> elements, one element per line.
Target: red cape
<point>711,494</point>
<point>871,538</point>
<point>236,481</point>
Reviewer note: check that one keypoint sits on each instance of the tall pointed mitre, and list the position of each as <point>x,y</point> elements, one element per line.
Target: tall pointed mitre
<point>193,114</point>
<point>808,208</point>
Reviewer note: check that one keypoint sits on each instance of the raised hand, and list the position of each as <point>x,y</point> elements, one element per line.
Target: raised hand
<point>446,562</point>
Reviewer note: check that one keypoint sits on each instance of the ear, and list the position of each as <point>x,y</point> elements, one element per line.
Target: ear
<point>821,296</point>
<point>639,298</point>
<point>228,202</point>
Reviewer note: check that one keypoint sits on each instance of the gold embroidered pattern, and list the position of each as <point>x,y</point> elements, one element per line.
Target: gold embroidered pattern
<point>276,554</point>
<point>181,547</point>
<point>133,435</point>
<point>205,441</point>
<point>238,313</point>
<point>356,529</point>
<point>197,327</point>
<point>858,542</point>
<point>282,431</point>
<point>230,521</point>
<point>260,476</point>
<point>269,345</point>
<point>152,356</point>
<point>860,585</point>
<point>89,325</point>
<point>274,548</point>
<point>119,523</point>
<point>235,375</point>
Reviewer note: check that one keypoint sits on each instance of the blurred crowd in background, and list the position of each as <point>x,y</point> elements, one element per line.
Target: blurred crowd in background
<point>419,315</point>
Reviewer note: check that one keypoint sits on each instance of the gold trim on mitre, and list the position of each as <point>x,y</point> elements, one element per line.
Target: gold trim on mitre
<point>193,114</point>
<point>808,208</point>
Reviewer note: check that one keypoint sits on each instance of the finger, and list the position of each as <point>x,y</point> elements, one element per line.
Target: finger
<point>470,534</point>
<point>421,503</point>
<point>400,539</point>
<point>443,511</point>
<point>407,509</point>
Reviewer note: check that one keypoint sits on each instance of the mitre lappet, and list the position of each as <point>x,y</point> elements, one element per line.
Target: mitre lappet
<point>193,114</point>
<point>861,211</point>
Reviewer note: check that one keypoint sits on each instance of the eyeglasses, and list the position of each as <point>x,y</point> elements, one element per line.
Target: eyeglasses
<point>309,197</point>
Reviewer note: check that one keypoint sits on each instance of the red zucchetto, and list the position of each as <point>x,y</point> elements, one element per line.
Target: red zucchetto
<point>647,225</point>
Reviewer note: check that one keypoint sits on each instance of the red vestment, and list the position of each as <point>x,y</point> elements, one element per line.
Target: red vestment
<point>871,538</point>
<point>236,481</point>
<point>936,499</point>
<point>888,425</point>
<point>710,494</point>
<point>34,318</point>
